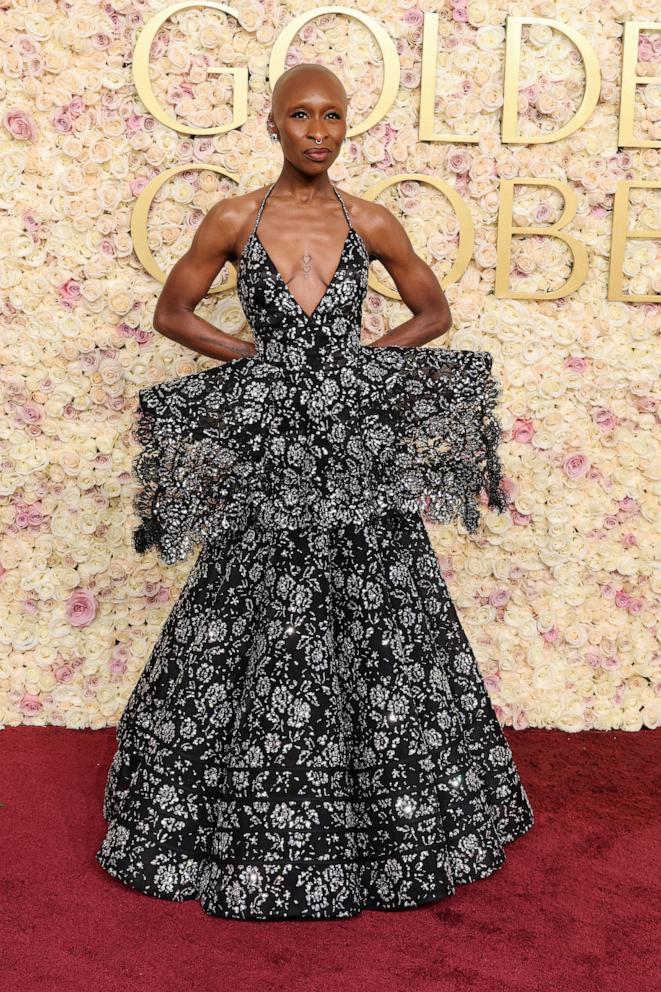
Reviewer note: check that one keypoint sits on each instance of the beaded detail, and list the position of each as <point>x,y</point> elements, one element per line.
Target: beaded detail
<point>259,769</point>
<point>311,735</point>
<point>314,427</point>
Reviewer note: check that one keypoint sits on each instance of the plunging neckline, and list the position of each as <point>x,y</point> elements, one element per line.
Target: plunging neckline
<point>276,271</point>
<point>280,277</point>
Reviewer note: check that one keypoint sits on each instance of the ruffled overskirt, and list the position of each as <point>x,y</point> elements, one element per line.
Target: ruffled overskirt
<point>337,439</point>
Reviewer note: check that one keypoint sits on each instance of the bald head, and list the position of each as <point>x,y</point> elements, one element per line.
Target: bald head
<point>307,79</point>
<point>308,101</point>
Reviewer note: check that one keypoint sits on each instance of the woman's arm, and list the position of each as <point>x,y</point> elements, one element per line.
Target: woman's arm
<point>416,283</point>
<point>189,280</point>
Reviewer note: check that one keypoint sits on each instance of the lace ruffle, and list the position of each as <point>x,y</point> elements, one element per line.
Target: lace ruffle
<point>326,442</point>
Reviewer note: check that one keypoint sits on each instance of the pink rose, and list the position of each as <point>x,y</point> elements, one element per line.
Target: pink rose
<point>63,673</point>
<point>499,597</point>
<point>630,541</point>
<point>30,223</point>
<point>576,363</point>
<point>510,487</point>
<point>519,718</point>
<point>69,292</point>
<point>101,41</point>
<point>137,185</point>
<point>575,465</point>
<point>81,608</point>
<point>645,49</point>
<point>550,636</point>
<point>134,123</point>
<point>520,519</point>
<point>622,599</point>
<point>31,413</point>
<point>610,663</point>
<point>413,17</point>
<point>89,361</point>
<point>117,666</point>
<point>629,505</point>
<point>62,122</point>
<point>76,106</point>
<point>523,431</point>
<point>410,78</point>
<point>142,335</point>
<point>30,704</point>
<point>458,161</point>
<point>604,418</point>
<point>35,515</point>
<point>20,124</point>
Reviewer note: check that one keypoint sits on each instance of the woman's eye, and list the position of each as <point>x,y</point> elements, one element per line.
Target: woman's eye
<point>302,112</point>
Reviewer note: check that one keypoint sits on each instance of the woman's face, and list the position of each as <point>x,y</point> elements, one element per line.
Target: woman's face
<point>311,122</point>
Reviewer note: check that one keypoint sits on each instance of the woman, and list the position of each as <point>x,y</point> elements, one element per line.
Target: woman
<point>311,735</point>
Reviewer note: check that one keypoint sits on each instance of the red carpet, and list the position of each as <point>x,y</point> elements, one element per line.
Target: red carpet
<point>575,907</point>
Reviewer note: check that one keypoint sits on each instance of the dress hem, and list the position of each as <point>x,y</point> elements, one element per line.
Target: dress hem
<point>499,862</point>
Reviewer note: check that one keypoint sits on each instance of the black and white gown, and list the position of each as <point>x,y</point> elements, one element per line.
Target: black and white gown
<point>311,735</point>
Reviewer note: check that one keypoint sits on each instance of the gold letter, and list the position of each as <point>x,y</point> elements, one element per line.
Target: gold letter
<point>625,138</point>
<point>619,236</point>
<point>390,58</point>
<point>505,232</point>
<point>512,63</point>
<point>140,214</point>
<point>143,82</point>
<point>428,85</point>
<point>466,231</point>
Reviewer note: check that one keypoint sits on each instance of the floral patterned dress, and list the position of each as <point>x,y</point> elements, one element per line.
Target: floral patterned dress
<point>311,735</point>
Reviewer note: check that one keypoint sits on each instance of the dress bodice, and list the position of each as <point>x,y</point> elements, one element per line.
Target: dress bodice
<point>283,331</point>
<point>315,427</point>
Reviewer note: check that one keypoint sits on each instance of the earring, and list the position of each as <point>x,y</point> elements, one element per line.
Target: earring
<point>274,136</point>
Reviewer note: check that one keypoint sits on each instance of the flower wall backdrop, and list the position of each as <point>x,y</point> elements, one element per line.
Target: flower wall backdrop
<point>559,596</point>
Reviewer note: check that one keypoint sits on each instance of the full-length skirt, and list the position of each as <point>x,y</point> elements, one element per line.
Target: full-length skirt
<point>311,735</point>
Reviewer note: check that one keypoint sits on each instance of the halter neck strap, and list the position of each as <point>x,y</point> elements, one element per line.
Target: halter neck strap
<point>266,195</point>
<point>261,207</point>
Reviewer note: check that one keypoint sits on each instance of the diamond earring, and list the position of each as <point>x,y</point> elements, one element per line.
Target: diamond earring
<point>274,136</point>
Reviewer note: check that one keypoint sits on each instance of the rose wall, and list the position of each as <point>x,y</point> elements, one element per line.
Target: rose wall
<point>559,596</point>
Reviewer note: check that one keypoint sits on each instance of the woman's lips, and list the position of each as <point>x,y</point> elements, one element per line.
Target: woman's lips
<point>318,154</point>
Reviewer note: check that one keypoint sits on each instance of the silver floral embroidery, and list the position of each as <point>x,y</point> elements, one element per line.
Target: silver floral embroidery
<point>314,428</point>
<point>311,735</point>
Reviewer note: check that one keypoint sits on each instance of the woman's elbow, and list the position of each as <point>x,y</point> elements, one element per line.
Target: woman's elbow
<point>163,320</point>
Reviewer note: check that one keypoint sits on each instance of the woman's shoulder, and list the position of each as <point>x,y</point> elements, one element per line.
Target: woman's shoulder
<point>367,217</point>
<point>239,206</point>
<point>235,214</point>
